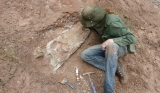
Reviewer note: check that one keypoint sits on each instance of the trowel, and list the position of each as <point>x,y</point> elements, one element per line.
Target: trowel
<point>64,80</point>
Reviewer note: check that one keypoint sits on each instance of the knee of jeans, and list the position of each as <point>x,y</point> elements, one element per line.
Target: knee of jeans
<point>83,55</point>
<point>111,48</point>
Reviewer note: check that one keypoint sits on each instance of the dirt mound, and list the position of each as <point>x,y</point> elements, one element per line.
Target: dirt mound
<point>26,25</point>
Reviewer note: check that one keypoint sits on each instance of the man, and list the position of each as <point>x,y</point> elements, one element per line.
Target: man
<point>117,42</point>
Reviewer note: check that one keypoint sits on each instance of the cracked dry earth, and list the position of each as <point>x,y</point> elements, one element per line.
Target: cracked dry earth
<point>41,41</point>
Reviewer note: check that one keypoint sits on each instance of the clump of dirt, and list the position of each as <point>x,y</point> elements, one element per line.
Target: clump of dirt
<point>26,25</point>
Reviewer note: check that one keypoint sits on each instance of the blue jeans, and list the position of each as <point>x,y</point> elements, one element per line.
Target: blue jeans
<point>105,60</point>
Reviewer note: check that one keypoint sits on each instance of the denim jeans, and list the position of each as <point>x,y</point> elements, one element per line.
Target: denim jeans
<point>105,60</point>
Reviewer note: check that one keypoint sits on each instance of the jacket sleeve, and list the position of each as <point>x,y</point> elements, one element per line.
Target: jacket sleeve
<point>121,34</point>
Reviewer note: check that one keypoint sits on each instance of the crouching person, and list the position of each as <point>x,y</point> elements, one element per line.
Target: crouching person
<point>117,42</point>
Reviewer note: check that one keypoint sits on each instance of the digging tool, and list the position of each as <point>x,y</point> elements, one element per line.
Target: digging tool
<point>77,74</point>
<point>64,80</point>
<point>92,85</point>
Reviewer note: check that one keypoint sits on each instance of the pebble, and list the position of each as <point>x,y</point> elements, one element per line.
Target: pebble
<point>142,28</point>
<point>38,52</point>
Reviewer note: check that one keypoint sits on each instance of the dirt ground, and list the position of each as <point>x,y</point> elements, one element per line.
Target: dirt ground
<point>27,24</point>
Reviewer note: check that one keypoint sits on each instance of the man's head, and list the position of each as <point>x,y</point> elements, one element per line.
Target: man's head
<point>91,15</point>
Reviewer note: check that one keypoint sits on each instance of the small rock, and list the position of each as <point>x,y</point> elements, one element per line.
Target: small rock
<point>142,28</point>
<point>84,90</point>
<point>38,52</point>
<point>125,16</point>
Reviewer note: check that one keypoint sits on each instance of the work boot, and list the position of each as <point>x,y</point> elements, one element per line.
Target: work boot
<point>120,73</point>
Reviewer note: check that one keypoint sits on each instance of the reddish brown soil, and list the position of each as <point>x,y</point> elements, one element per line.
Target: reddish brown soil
<point>25,24</point>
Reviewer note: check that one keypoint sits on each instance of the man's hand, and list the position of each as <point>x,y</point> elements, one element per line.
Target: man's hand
<point>105,43</point>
